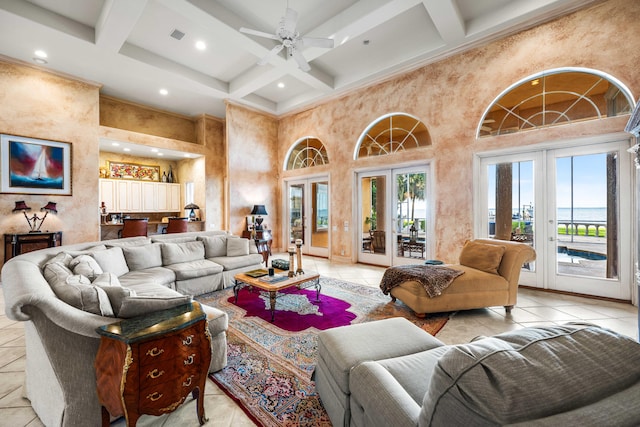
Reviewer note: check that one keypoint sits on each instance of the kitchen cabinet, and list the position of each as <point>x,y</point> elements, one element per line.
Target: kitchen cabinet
<point>121,195</point>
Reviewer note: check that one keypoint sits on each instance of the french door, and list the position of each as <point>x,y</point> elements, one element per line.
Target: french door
<point>394,225</point>
<point>573,205</point>
<point>308,214</point>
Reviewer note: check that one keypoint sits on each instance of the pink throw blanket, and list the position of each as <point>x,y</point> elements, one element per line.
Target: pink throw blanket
<point>434,278</point>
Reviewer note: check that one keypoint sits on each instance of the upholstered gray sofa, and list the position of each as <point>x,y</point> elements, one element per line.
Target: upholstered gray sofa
<point>573,374</point>
<point>101,282</point>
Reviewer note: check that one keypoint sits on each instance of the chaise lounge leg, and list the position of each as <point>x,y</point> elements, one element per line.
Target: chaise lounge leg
<point>508,308</point>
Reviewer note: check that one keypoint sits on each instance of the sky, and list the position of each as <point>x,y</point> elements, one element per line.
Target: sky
<point>589,182</point>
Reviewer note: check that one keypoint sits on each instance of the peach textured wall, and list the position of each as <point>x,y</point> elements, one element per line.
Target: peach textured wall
<point>449,97</point>
<point>41,105</point>
<point>253,167</point>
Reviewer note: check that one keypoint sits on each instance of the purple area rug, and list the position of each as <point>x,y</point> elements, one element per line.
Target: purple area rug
<point>269,367</point>
<point>296,310</point>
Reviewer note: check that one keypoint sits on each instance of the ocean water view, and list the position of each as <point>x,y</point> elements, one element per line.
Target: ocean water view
<point>583,214</point>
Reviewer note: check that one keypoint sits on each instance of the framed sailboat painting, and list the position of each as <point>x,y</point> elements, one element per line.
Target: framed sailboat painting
<point>34,166</point>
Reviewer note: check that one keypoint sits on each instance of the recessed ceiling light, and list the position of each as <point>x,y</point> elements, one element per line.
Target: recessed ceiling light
<point>164,92</point>
<point>281,85</point>
<point>115,144</point>
<point>40,53</point>
<point>200,45</point>
<point>187,155</point>
<point>160,154</point>
<point>126,149</point>
<point>154,150</point>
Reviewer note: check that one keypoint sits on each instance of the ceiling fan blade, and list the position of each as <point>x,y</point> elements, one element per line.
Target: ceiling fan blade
<point>273,52</point>
<point>290,20</point>
<point>302,62</point>
<point>317,42</point>
<point>259,33</point>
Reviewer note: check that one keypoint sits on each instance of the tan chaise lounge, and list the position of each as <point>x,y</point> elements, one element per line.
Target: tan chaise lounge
<point>491,273</point>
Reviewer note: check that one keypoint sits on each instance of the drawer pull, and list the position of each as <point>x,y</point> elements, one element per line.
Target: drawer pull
<point>188,340</point>
<point>155,352</point>
<point>154,396</point>
<point>155,373</point>
<point>189,360</point>
<point>187,383</point>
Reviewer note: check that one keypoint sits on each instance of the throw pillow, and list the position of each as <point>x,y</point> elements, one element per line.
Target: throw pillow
<point>482,256</point>
<point>214,246</point>
<point>143,257</point>
<point>85,265</point>
<point>112,260</point>
<point>174,253</point>
<point>55,272</point>
<point>77,291</point>
<point>237,247</point>
<point>110,284</point>
<point>138,306</point>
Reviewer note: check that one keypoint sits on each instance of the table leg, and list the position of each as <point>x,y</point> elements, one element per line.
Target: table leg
<point>272,303</point>
<point>236,289</point>
<point>318,288</point>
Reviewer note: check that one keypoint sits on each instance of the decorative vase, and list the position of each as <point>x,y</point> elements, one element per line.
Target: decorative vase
<point>164,176</point>
<point>170,176</point>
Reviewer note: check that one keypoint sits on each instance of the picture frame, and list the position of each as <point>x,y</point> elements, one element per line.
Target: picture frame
<point>34,166</point>
<point>134,171</point>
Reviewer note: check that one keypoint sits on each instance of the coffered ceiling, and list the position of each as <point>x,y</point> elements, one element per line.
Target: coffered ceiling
<point>127,45</point>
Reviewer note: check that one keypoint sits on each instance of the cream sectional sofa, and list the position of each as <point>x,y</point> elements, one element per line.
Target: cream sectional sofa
<point>101,282</point>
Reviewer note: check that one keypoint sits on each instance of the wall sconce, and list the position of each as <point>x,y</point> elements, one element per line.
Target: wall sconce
<point>34,226</point>
<point>192,214</point>
<point>259,210</point>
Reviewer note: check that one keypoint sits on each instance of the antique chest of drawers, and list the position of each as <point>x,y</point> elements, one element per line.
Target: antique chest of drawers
<point>150,364</point>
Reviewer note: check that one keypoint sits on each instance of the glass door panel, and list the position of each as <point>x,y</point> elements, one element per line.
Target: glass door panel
<point>373,228</point>
<point>319,239</point>
<point>296,212</point>
<point>410,222</point>
<point>308,210</point>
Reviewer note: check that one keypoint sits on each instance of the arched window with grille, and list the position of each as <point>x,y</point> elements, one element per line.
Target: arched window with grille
<point>306,152</point>
<point>555,97</point>
<point>392,133</point>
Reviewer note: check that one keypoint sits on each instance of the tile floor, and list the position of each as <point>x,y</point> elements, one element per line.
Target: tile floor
<point>533,308</point>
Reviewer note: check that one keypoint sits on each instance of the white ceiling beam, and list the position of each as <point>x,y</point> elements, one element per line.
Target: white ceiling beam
<point>447,19</point>
<point>220,89</point>
<point>117,19</point>
<point>49,19</point>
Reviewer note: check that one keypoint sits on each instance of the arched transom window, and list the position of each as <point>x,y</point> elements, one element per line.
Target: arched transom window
<point>392,133</point>
<point>305,153</point>
<point>553,98</point>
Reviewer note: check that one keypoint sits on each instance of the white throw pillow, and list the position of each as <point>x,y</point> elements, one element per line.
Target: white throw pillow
<point>85,265</point>
<point>237,247</point>
<point>138,306</point>
<point>77,291</point>
<point>112,261</point>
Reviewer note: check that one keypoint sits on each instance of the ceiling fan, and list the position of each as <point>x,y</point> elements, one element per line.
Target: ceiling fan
<point>289,38</point>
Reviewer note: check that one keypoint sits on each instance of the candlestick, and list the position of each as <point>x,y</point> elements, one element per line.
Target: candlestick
<point>299,246</point>
<point>292,250</point>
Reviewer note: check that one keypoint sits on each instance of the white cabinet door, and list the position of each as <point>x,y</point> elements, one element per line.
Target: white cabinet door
<point>122,196</point>
<point>135,196</point>
<point>149,195</point>
<point>163,197</point>
<point>108,194</point>
<point>174,197</point>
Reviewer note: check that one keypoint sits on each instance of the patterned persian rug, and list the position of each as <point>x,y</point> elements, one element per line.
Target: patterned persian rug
<point>270,364</point>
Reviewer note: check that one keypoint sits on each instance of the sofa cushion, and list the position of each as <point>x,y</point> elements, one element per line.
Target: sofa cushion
<point>77,290</point>
<point>174,253</point>
<point>214,246</point>
<point>85,265</point>
<point>142,257</point>
<point>138,306</point>
<point>193,269</point>
<point>116,293</point>
<point>482,256</point>
<point>237,247</point>
<point>112,261</point>
<point>528,374</point>
<point>235,262</point>
<point>157,276</point>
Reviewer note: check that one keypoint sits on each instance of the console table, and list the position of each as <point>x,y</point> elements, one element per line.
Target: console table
<point>149,364</point>
<point>263,241</point>
<point>21,243</point>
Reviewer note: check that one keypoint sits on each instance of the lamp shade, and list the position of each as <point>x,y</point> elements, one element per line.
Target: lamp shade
<point>259,210</point>
<point>21,206</point>
<point>50,207</point>
<point>192,206</point>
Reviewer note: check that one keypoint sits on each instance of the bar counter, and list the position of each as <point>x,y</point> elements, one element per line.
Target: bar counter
<point>109,230</point>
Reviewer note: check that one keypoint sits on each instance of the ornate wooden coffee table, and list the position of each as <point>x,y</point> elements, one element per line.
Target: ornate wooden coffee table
<point>271,285</point>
